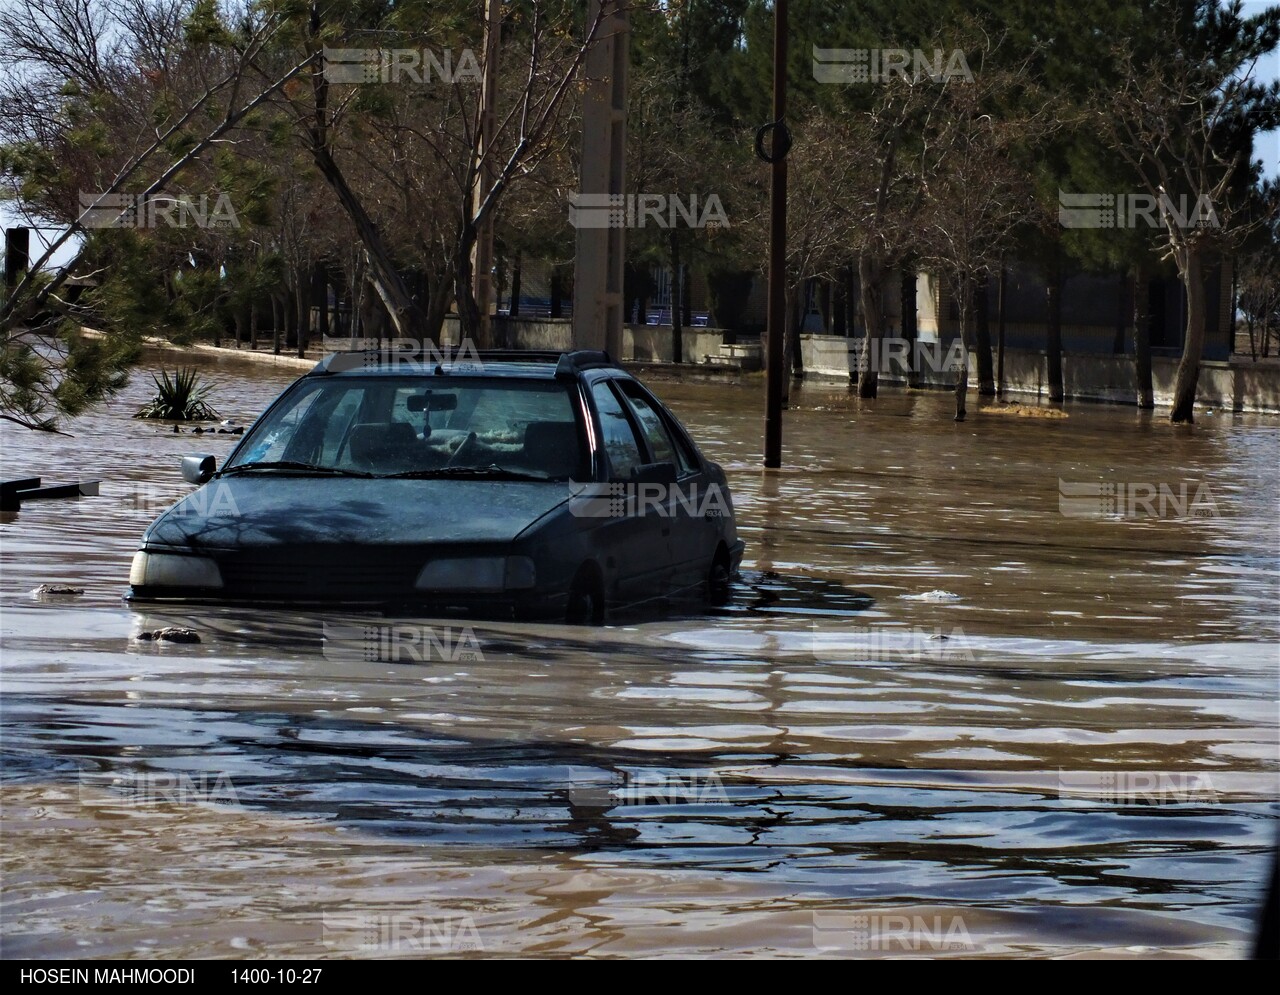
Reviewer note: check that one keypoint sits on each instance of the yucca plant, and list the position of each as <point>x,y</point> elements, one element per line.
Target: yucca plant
<point>179,399</point>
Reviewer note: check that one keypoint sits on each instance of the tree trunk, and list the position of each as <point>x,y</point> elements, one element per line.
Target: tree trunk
<point>557,293</point>
<point>1053,344</point>
<point>871,281</point>
<point>320,297</point>
<point>438,302</point>
<point>1184,383</point>
<point>962,374</point>
<point>514,310</point>
<point>304,316</point>
<point>839,309</point>
<point>1000,328</point>
<point>982,311</point>
<point>404,312</point>
<point>824,304</point>
<point>1142,339</point>
<point>677,301</point>
<point>277,319</point>
<point>253,326</point>
<point>469,323</point>
<point>910,322</point>
<point>1122,315</point>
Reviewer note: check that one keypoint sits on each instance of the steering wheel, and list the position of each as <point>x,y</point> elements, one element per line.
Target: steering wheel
<point>469,444</point>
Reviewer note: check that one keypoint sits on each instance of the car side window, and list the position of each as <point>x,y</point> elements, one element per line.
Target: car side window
<point>619,438</point>
<point>664,449</point>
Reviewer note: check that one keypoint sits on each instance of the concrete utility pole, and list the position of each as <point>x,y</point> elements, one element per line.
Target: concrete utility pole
<point>597,283</point>
<point>482,251</point>
<point>777,157</point>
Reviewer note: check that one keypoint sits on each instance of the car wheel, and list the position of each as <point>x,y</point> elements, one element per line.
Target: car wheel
<point>718,579</point>
<point>586,598</point>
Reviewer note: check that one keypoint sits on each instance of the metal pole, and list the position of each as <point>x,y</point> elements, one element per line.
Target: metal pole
<point>777,249</point>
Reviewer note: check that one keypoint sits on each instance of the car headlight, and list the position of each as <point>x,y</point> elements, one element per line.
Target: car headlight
<point>477,573</point>
<point>172,570</point>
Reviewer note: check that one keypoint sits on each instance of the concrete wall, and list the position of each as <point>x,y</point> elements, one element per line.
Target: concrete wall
<point>640,343</point>
<point>1237,385</point>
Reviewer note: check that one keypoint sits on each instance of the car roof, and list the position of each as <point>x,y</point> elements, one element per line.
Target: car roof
<point>450,361</point>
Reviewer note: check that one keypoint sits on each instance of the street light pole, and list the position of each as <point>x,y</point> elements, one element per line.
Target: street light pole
<point>777,157</point>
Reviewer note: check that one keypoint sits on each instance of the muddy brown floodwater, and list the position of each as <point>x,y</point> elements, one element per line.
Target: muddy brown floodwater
<point>955,708</point>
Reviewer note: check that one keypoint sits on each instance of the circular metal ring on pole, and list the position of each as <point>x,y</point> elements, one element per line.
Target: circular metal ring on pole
<point>781,141</point>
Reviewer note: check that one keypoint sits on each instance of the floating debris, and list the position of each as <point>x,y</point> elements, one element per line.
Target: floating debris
<point>172,634</point>
<point>932,596</point>
<point>46,590</point>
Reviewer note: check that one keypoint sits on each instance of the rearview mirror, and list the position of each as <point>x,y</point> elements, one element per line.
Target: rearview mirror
<point>654,473</point>
<point>432,402</point>
<point>198,468</point>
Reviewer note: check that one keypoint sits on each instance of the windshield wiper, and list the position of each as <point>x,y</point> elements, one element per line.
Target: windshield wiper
<point>486,472</point>
<point>286,464</point>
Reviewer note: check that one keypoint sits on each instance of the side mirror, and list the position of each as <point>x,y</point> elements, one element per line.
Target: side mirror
<point>654,473</point>
<point>198,468</point>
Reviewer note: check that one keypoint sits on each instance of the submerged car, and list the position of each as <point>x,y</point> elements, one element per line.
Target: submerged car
<point>524,484</point>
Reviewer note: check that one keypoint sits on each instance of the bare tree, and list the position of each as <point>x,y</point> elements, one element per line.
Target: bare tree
<point>1184,120</point>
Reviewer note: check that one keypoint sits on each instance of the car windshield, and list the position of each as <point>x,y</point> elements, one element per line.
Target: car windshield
<point>418,427</point>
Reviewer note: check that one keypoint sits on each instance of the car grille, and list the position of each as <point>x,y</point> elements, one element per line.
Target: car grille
<point>335,575</point>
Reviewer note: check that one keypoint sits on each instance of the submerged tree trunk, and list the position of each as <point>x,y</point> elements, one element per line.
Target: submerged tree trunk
<point>871,281</point>
<point>1184,383</point>
<point>794,357</point>
<point>1142,339</point>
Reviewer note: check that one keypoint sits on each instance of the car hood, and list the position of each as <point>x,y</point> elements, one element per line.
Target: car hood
<point>267,509</point>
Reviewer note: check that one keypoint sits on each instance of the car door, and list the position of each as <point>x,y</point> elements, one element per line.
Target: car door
<point>634,537</point>
<point>691,506</point>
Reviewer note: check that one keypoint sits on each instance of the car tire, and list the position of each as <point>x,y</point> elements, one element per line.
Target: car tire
<point>586,598</point>
<point>719,581</point>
